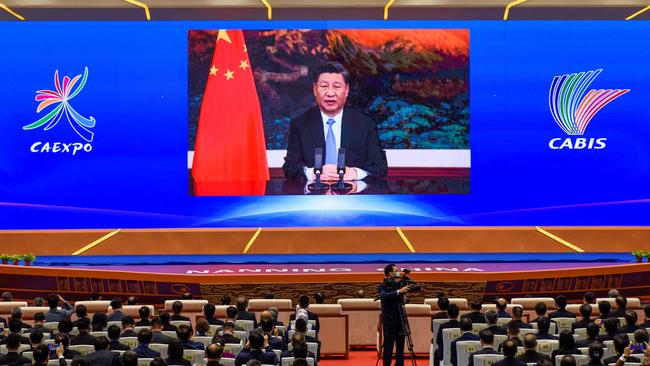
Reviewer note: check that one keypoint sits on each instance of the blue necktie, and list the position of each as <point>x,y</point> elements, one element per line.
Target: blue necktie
<point>330,144</point>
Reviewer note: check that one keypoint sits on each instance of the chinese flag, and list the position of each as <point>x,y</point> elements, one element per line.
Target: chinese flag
<point>230,151</point>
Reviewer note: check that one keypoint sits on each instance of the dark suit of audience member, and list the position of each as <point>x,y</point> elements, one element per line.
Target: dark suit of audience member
<point>466,336</point>
<point>265,357</point>
<point>143,351</point>
<point>14,358</point>
<point>102,356</point>
<point>115,345</point>
<point>452,312</point>
<point>303,301</point>
<point>509,351</point>
<point>83,338</point>
<point>116,316</point>
<point>487,350</point>
<point>497,329</point>
<point>160,338</point>
<point>177,361</point>
<point>214,321</point>
<point>532,356</point>
<point>476,317</point>
<point>561,313</point>
<point>143,323</point>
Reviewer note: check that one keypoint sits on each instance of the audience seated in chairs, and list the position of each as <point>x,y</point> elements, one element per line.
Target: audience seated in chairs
<point>561,312</point>
<point>630,323</point>
<point>256,351</point>
<point>177,309</point>
<point>585,312</point>
<point>129,358</point>
<point>15,327</point>
<point>84,336</point>
<point>604,308</point>
<point>145,313</point>
<point>509,351</point>
<point>620,342</point>
<point>513,334</point>
<point>232,314</point>
<point>475,314</point>
<point>82,312</point>
<point>209,310</point>
<point>175,354</point>
<point>443,305</point>
<point>491,318</point>
<point>64,326</point>
<point>274,313</point>
<point>593,330</point>
<point>543,326</point>
<point>13,357</point>
<point>185,334</point>
<point>517,316</point>
<point>114,339</point>
<point>502,305</point>
<point>55,314</point>
<point>35,339</point>
<point>267,329</point>
<point>99,322</point>
<point>467,335</point>
<point>621,307</point>
<point>530,350</point>
<point>611,326</point>
<point>63,340</point>
<point>227,335</point>
<point>166,318</point>
<point>213,354</point>
<point>158,336</point>
<point>596,353</point>
<point>540,310</point>
<point>41,355</point>
<point>128,326</point>
<point>17,314</point>
<point>102,356</point>
<point>487,345</point>
<point>567,345</point>
<point>303,303</point>
<point>144,340</point>
<point>243,313</point>
<point>297,339</point>
<point>452,314</point>
<point>117,315</point>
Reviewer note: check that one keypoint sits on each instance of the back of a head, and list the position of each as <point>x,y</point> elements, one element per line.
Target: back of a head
<point>541,308</point>
<point>15,326</point>
<point>53,300</point>
<point>62,338</point>
<point>566,340</point>
<point>64,326</point>
<point>13,341</point>
<point>184,332</point>
<point>301,325</point>
<point>513,327</point>
<point>213,352</point>
<point>177,307</point>
<point>620,342</point>
<point>303,301</point>
<point>274,312</point>
<point>443,303</point>
<point>256,340</point>
<point>561,302</point>
<point>99,321</point>
<point>269,295</point>
<point>255,362</point>
<point>604,307</point>
<point>145,336</point>
<point>319,298</point>
<point>202,326</point>
<point>453,311</point>
<point>491,317</point>
<point>613,293</point>
<point>39,317</point>
<point>509,348</point>
<point>589,297</point>
<point>144,312</point>
<point>156,323</point>
<point>101,343</point>
<point>83,323</point>
<point>267,324</point>
<point>502,304</point>
<point>596,351</point>
<point>132,300</point>
<point>465,324</point>
<point>232,312</point>
<point>641,336</point>
<point>297,337</point>
<point>486,336</point>
<point>39,301</point>
<point>476,305</point>
<point>129,358</point>
<point>114,332</point>
<point>164,316</point>
<point>41,354</point>
<point>568,360</point>
<point>225,300</point>
<point>209,310</point>
<point>94,296</point>
<point>187,296</point>
<point>517,312</point>
<point>611,324</point>
<point>175,348</point>
<point>116,303</point>
<point>544,362</point>
<point>543,324</point>
<point>530,341</point>
<point>16,313</point>
<point>621,301</point>
<point>585,311</point>
<point>81,311</point>
<point>128,322</point>
<point>630,317</point>
<point>300,350</point>
<point>36,336</point>
<point>7,296</point>
<point>242,303</point>
<point>592,330</point>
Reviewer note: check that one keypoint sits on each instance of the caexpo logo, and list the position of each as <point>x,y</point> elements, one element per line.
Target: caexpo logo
<point>60,100</point>
<point>573,107</point>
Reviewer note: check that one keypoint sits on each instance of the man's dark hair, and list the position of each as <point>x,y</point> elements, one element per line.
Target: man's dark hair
<point>332,67</point>
<point>53,301</point>
<point>389,268</point>
<point>158,361</point>
<point>630,317</point>
<point>517,312</point>
<point>509,347</point>
<point>16,313</point>
<point>242,303</point>
<point>269,295</point>
<point>596,351</point>
<point>476,305</point>
<point>513,326</point>
<point>145,336</point>
<point>592,330</point>
<point>229,325</point>
<point>184,332</point>
<point>214,351</point>
<point>297,337</point>
<point>486,336</point>
<point>255,362</point>
<point>127,321</point>
<point>177,307</point>
<point>156,322</point>
<point>589,297</point>
<point>164,316</point>
<point>256,340</point>
<point>99,321</point>
<point>13,341</point>
<point>15,326</point>
<point>453,311</point>
<point>585,311</point>
<point>7,296</point>
<point>530,341</point>
<point>232,312</point>
<point>301,325</point>
<point>36,336</point>
<point>81,310</point>
<point>83,324</point>
<point>620,342</point>
<point>540,308</point>
<point>319,298</point>
<point>62,338</point>
<point>116,303</point>
<point>567,342</point>
<point>267,325</point>
<point>95,296</point>
<point>561,302</point>
<point>101,343</point>
<point>187,296</point>
<point>40,354</point>
<point>543,324</point>
<point>611,325</point>
<point>502,304</point>
<point>65,326</point>
<point>303,300</point>
<point>209,310</point>
<point>621,301</point>
<point>568,360</point>
<point>443,303</point>
<point>641,336</point>
<point>646,310</point>
<point>129,358</point>
<point>225,300</point>
<point>604,307</point>
<point>300,350</point>
<point>144,312</point>
<point>132,300</point>
<point>491,316</point>
<point>114,332</point>
<point>465,324</point>
<point>39,301</point>
<point>175,348</point>
<point>39,317</point>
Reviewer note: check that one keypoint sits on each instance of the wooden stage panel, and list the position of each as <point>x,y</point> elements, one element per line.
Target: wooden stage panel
<point>605,238</point>
<point>481,240</point>
<point>174,241</point>
<point>47,242</point>
<point>330,241</point>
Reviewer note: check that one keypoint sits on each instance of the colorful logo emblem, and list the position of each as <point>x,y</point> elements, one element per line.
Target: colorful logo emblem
<point>61,98</point>
<point>572,106</point>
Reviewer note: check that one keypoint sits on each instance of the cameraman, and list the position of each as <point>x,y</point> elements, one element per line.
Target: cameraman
<point>391,293</point>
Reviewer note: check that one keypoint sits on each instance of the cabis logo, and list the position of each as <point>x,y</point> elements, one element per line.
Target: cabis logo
<point>61,99</point>
<point>572,109</point>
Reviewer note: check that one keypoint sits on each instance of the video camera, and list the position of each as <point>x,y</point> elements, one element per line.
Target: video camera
<point>405,280</point>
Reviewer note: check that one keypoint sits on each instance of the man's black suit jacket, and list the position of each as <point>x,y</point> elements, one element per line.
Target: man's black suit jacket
<point>103,358</point>
<point>358,138</point>
<point>467,336</point>
<point>484,351</point>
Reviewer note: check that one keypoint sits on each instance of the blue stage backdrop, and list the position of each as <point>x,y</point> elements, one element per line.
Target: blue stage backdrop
<point>109,147</point>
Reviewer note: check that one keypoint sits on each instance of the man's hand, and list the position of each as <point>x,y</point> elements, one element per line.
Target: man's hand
<point>403,290</point>
<point>60,350</point>
<point>627,351</point>
<point>330,173</point>
<point>266,340</point>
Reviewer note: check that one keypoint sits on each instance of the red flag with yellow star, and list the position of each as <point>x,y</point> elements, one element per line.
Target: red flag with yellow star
<point>230,150</point>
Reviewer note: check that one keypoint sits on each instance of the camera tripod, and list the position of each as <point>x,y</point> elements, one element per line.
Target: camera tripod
<point>406,331</point>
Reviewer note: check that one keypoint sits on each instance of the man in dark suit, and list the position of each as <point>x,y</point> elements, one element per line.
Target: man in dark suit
<point>243,313</point>
<point>443,305</point>
<point>475,315</point>
<point>227,335</point>
<point>303,302</point>
<point>175,354</point>
<point>209,310</point>
<point>611,326</point>
<point>392,297</point>
<point>84,336</point>
<point>177,309</point>
<point>620,342</point>
<point>145,313</point>
<point>530,350</point>
<point>467,335</point>
<point>256,351</point>
<point>13,357</point>
<point>184,333</point>
<point>487,345</point>
<point>118,314</point>
<point>540,310</point>
<point>102,356</point>
<point>82,312</point>
<point>16,328</point>
<point>142,350</point>
<point>452,313</point>
<point>543,326</point>
<point>266,328</point>
<point>604,308</point>
<point>330,126</point>
<point>513,334</point>
<point>561,312</point>
<point>630,323</point>
<point>502,305</point>
<point>297,339</point>
<point>158,336</point>
<point>128,327</point>
<point>114,339</point>
<point>517,315</point>
<point>17,314</point>
<point>592,335</point>
<point>509,351</point>
<point>585,312</point>
<point>213,354</point>
<point>621,307</point>
<point>491,318</point>
<point>39,323</point>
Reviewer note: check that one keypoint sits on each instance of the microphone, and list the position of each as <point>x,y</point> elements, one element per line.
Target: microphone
<point>340,168</point>
<point>318,165</point>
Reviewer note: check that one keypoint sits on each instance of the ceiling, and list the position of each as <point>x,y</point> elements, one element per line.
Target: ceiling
<point>330,9</point>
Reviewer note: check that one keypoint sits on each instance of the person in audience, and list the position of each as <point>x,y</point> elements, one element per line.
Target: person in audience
<point>7,297</point>
<point>509,351</point>
<point>596,352</point>
<point>129,358</point>
<point>63,340</point>
<point>588,298</point>
<point>621,307</point>
<point>530,354</point>
<point>55,314</point>
<point>360,294</point>
<point>540,310</point>
<point>502,305</point>
<point>132,300</point>
<point>17,314</point>
<point>243,313</point>
<point>35,339</point>
<point>114,339</point>
<point>39,324</point>
<point>620,342</point>
<point>84,336</point>
<point>543,326</point>
<point>185,334</point>
<point>646,311</point>
<point>517,316</point>
<point>613,293</point>
<point>611,326</point>
<point>41,355</point>
<point>158,336</point>
<point>95,296</point>
<point>102,356</point>
<point>158,361</point>
<point>593,331</point>
<point>117,314</point>
<point>39,301</point>
<point>256,350</point>
<point>209,310</point>
<point>640,337</point>
<point>487,345</point>
<point>275,312</point>
<point>303,303</point>
<point>452,313</point>
<point>513,333</point>
<point>12,357</point>
<point>567,345</point>
<point>128,327</point>
<point>269,295</point>
<point>64,326</point>
<point>202,327</point>
<point>630,323</point>
<point>99,322</point>
<point>15,327</point>
<point>177,309</point>
<point>213,354</point>
<point>145,313</point>
<point>175,354</point>
<point>296,339</point>
<point>443,305</point>
<point>475,314</point>
<point>585,313</point>
<point>561,312</point>
<point>466,335</point>
<point>225,300</point>
<point>319,298</point>
<point>187,296</point>
<point>166,318</point>
<point>227,334</point>
<point>232,314</point>
<point>82,312</point>
<point>301,327</point>
<point>145,337</point>
<point>604,308</point>
<point>491,318</point>
<point>568,360</point>
<point>267,329</point>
